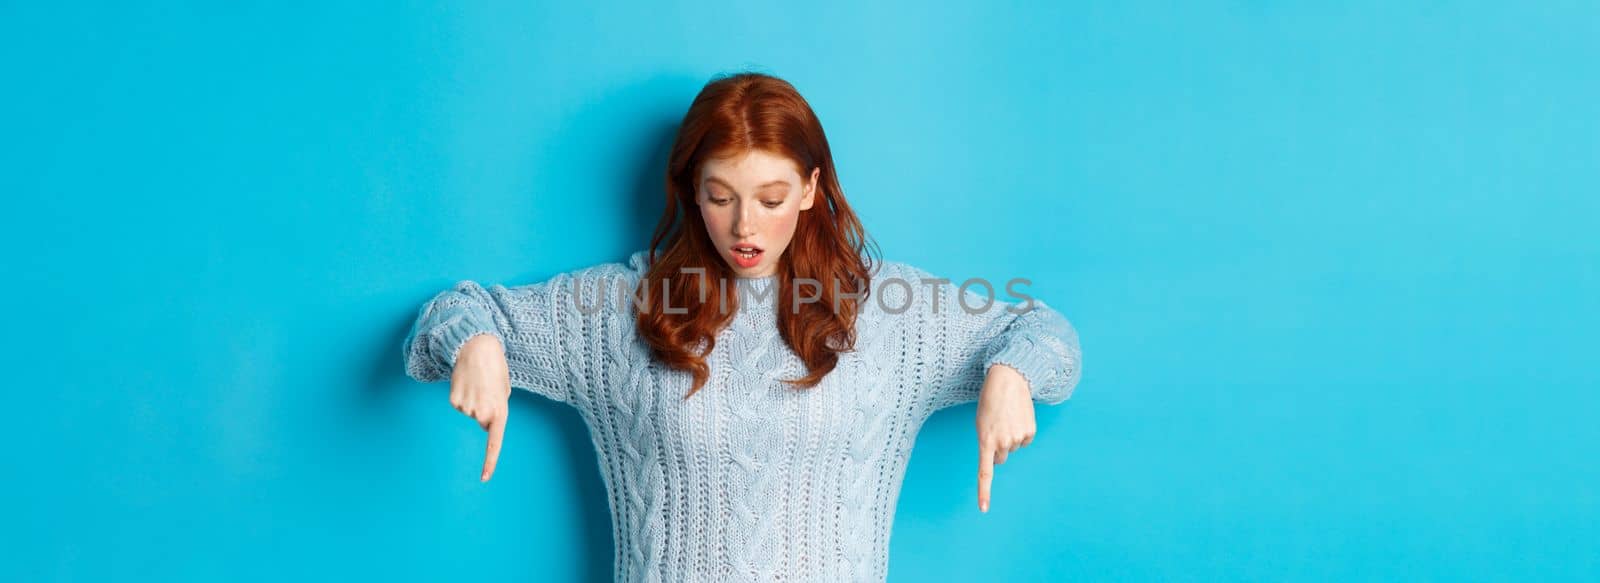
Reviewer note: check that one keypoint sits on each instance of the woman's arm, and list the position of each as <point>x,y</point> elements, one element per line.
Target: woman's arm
<point>549,341</point>
<point>1029,336</point>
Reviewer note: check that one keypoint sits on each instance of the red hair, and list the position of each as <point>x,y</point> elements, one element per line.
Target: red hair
<point>732,115</point>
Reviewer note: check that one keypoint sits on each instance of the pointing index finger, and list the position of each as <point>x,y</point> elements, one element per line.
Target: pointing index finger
<point>985,475</point>
<point>497,432</point>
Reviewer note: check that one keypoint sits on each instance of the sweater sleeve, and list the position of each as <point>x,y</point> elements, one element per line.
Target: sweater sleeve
<point>550,343</point>
<point>968,334</point>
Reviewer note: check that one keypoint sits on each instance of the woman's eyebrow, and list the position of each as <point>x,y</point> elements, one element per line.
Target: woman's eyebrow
<point>730,186</point>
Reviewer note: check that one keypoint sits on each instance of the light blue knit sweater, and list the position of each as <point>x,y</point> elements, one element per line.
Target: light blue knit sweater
<point>749,479</point>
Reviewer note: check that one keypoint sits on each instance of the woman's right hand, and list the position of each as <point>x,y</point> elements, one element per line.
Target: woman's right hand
<point>480,387</point>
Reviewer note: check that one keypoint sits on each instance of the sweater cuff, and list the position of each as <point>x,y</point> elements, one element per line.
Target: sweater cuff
<point>457,331</point>
<point>1029,359</point>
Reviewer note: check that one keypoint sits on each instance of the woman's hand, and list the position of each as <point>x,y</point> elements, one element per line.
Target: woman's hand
<point>480,387</point>
<point>1005,423</point>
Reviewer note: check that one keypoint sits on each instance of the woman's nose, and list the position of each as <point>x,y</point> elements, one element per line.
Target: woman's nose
<point>743,226</point>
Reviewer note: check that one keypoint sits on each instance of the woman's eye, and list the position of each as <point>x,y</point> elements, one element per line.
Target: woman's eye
<point>719,201</point>
<point>773,205</point>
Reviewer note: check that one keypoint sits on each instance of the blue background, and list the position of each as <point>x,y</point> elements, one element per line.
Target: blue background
<point>1334,268</point>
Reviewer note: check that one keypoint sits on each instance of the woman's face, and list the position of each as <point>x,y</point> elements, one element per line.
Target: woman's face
<point>751,204</point>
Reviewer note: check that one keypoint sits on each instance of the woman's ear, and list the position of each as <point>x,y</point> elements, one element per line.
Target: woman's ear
<point>811,189</point>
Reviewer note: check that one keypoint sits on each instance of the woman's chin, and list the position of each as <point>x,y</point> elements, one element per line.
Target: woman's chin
<point>755,271</point>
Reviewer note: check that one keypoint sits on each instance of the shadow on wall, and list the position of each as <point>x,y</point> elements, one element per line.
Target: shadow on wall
<point>618,143</point>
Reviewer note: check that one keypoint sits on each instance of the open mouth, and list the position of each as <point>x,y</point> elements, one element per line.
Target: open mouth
<point>746,255</point>
<point>747,251</point>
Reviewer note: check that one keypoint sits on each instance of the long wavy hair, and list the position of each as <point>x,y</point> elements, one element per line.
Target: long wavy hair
<point>734,114</point>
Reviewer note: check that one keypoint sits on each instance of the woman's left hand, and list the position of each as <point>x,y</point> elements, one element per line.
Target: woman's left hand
<point>1005,423</point>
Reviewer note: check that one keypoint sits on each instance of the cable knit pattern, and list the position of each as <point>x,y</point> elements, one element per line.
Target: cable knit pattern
<point>749,479</point>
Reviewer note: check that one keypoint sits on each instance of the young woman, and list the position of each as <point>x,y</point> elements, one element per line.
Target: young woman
<point>754,381</point>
